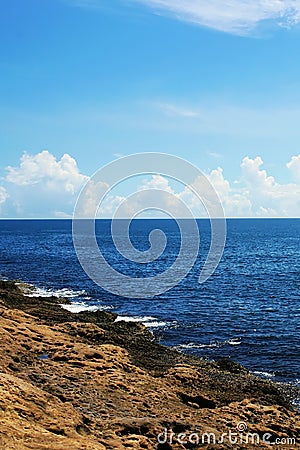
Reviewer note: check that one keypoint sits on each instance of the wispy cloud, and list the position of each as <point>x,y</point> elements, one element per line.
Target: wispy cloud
<point>231,16</point>
<point>239,17</point>
<point>215,155</point>
<point>174,110</point>
<point>226,119</point>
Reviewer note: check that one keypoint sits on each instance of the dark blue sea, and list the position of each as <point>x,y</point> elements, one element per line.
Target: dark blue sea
<point>249,310</point>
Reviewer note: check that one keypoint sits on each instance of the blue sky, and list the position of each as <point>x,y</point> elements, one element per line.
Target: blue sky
<point>214,82</point>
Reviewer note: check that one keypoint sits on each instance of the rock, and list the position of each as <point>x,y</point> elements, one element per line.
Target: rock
<point>82,381</point>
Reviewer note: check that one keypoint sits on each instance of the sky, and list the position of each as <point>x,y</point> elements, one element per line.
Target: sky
<point>83,82</point>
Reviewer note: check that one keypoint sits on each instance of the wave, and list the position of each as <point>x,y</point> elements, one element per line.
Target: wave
<point>77,307</point>
<point>233,341</point>
<point>212,344</point>
<point>263,374</point>
<point>29,290</point>
<point>148,321</point>
<point>192,345</point>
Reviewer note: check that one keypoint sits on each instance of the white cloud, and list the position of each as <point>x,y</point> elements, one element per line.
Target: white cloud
<point>45,169</point>
<point>232,16</point>
<point>294,166</point>
<point>174,110</point>
<point>43,186</point>
<point>3,195</point>
<point>157,182</point>
<point>153,190</point>
<point>234,200</point>
<point>221,118</point>
<point>93,195</point>
<point>256,194</point>
<point>267,196</point>
<point>215,155</point>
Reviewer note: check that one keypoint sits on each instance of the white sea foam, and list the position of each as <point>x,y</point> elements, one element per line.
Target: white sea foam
<point>263,374</point>
<point>148,321</point>
<point>192,345</point>
<point>233,341</point>
<point>32,291</point>
<point>134,318</point>
<point>77,307</point>
<point>155,324</point>
<point>212,344</point>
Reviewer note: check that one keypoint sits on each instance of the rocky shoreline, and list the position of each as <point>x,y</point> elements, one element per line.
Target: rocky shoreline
<point>84,381</point>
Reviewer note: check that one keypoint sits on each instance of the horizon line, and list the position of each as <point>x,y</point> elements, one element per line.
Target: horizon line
<point>149,218</point>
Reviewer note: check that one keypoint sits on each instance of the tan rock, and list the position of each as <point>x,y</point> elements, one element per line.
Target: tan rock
<point>82,382</point>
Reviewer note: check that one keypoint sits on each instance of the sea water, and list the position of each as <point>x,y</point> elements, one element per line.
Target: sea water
<point>249,310</point>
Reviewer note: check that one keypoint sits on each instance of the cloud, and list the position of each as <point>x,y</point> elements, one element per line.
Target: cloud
<point>234,200</point>
<point>231,16</point>
<point>157,182</point>
<point>267,196</point>
<point>215,155</point>
<point>218,117</point>
<point>44,186</point>
<point>255,194</point>
<point>173,110</point>
<point>294,166</point>
<point>239,17</point>
<point>93,195</point>
<point>44,169</point>
<point>3,195</point>
<point>154,189</point>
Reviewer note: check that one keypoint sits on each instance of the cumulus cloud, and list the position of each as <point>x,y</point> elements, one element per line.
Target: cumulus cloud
<point>255,194</point>
<point>157,182</point>
<point>152,190</point>
<point>267,196</point>
<point>3,195</point>
<point>93,195</point>
<point>294,166</point>
<point>43,168</point>
<point>232,16</point>
<point>234,200</point>
<point>44,186</point>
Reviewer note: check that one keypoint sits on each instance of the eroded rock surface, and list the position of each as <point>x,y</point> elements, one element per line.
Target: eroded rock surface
<point>83,381</point>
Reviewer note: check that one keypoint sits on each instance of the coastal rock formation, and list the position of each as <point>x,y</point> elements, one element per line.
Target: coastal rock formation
<point>84,381</point>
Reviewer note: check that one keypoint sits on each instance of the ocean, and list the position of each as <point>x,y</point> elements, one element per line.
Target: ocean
<point>249,310</point>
